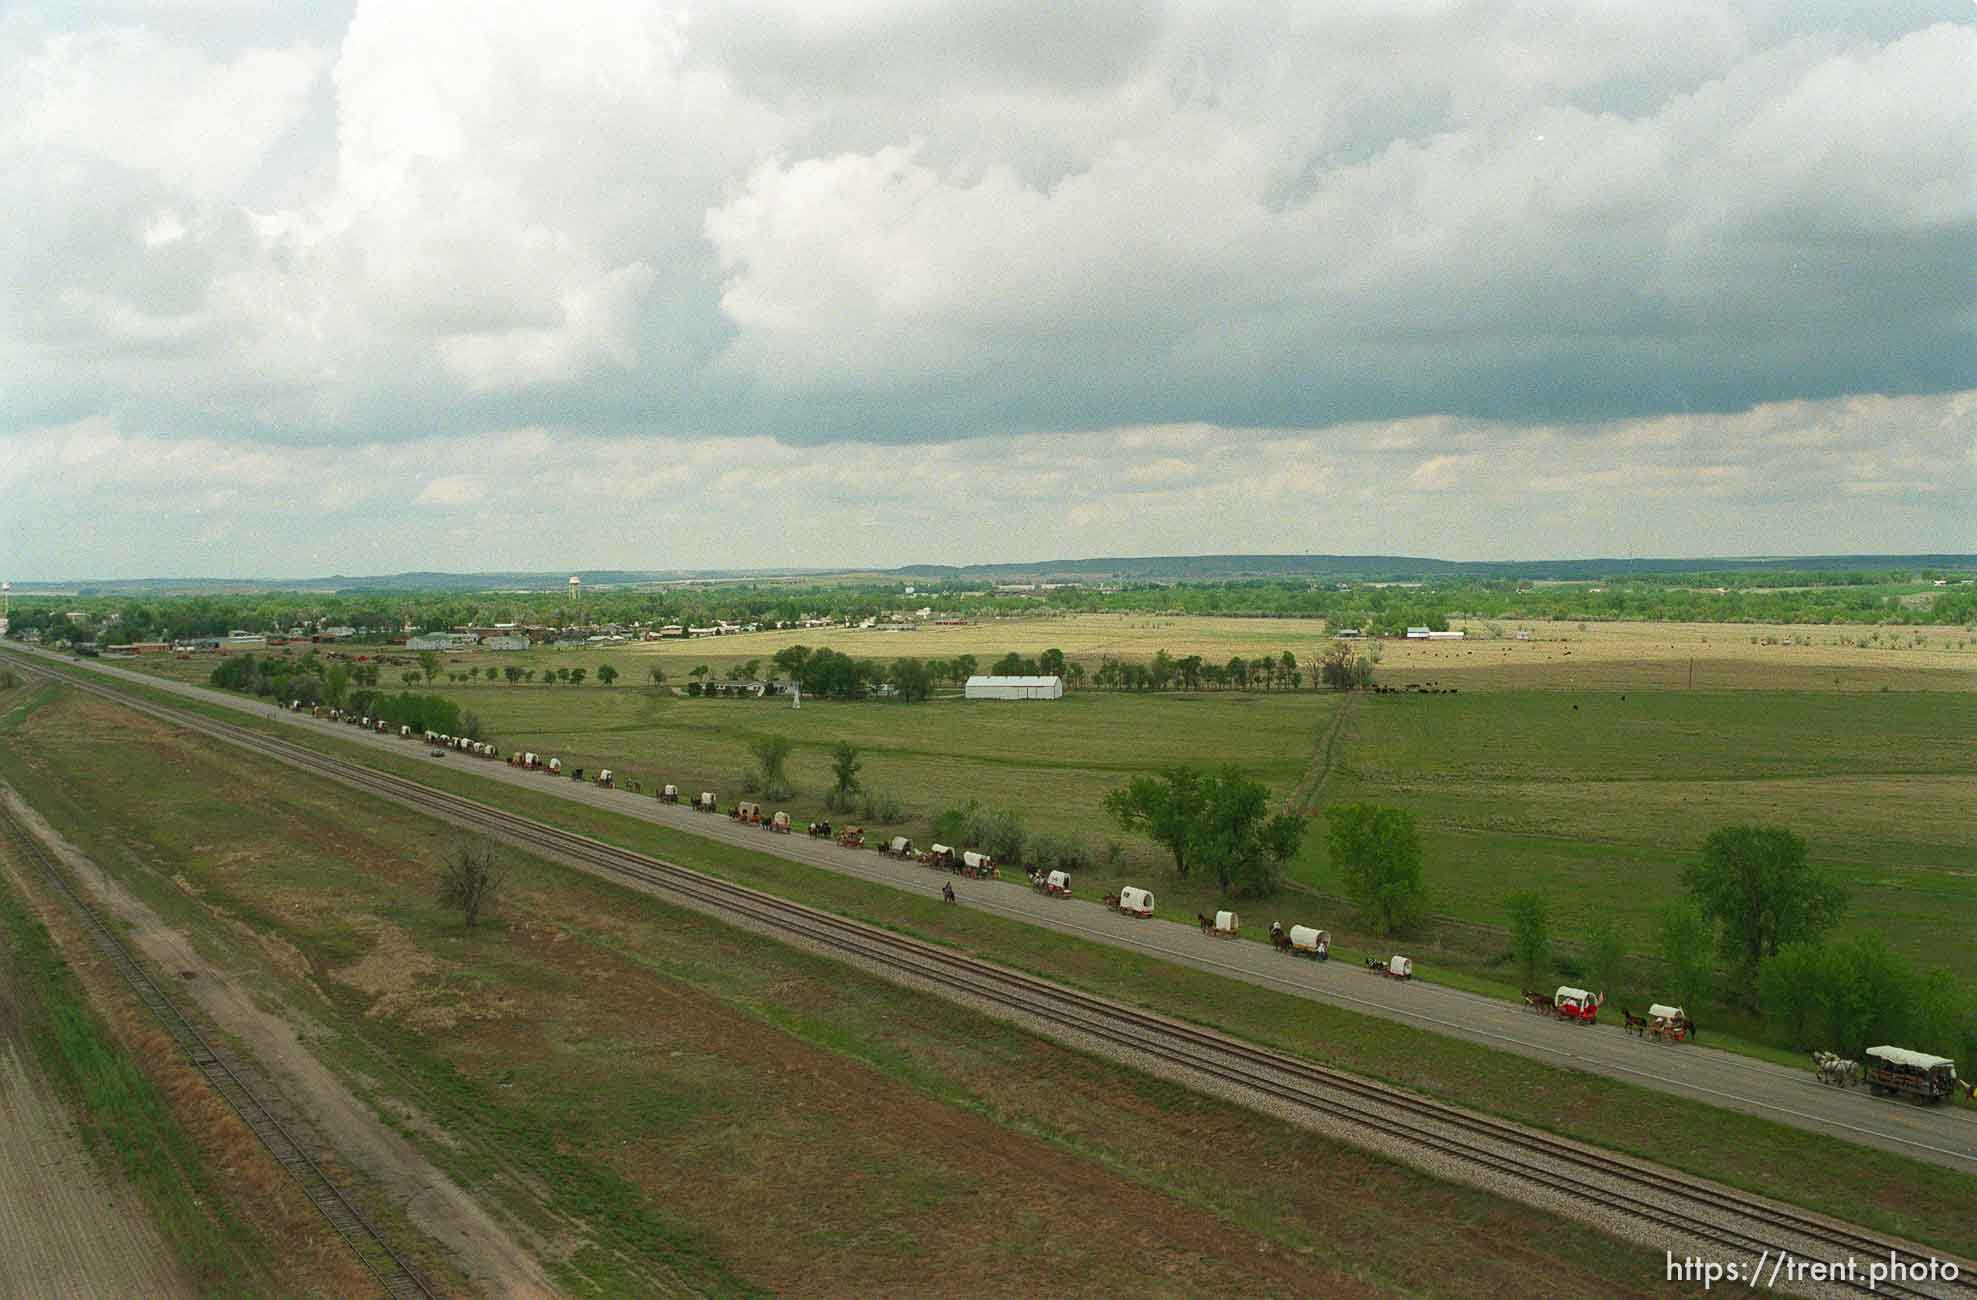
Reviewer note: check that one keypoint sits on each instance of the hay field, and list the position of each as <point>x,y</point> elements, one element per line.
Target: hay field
<point>1559,656</point>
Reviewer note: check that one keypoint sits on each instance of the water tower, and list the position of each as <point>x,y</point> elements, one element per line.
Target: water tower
<point>576,589</point>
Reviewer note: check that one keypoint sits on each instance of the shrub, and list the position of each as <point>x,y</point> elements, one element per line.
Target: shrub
<point>883,807</point>
<point>777,791</point>
<point>999,834</point>
<point>750,781</point>
<point>1059,851</point>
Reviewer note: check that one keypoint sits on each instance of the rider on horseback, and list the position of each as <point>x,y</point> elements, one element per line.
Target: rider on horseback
<point>947,892</point>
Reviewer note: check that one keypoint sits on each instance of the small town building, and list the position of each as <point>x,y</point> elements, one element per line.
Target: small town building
<point>981,687</point>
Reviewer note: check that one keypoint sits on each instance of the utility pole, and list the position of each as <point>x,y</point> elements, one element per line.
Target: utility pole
<point>1692,672</point>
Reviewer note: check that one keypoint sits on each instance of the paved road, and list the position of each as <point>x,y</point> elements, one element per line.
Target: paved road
<point>1942,1135</point>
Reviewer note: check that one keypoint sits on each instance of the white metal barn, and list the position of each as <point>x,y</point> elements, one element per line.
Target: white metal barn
<point>1014,688</point>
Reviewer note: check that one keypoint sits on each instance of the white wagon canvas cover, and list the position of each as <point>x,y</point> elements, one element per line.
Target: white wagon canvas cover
<point>974,859</point>
<point>1225,921</point>
<point>1666,1013</point>
<point>1133,899</point>
<point>1401,965</point>
<point>1914,1060</point>
<point>1303,936</point>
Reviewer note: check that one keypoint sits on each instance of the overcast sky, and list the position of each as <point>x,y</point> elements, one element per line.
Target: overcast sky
<point>297,289</point>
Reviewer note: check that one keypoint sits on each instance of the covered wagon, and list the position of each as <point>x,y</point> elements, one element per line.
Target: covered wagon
<point>1398,967</point>
<point>606,778</point>
<point>976,864</point>
<point>942,856</point>
<point>404,732</point>
<point>669,794</point>
<point>1916,1074</point>
<point>1134,901</point>
<point>898,847</point>
<point>1669,1024</point>
<point>555,767</point>
<point>780,823</point>
<point>852,837</point>
<point>1308,942</point>
<point>1058,884</point>
<point>707,802</point>
<point>1577,1004</point>
<point>745,810</point>
<point>1226,925</point>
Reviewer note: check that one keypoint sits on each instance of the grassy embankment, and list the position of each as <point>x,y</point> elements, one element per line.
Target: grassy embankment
<point>1903,1196</point>
<point>736,1114</point>
<point>122,1115</point>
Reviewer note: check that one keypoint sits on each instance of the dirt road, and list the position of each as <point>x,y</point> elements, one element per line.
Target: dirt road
<point>1941,1135</point>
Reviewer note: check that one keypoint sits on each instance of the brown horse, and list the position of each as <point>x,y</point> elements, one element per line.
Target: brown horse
<point>1207,923</point>
<point>1636,1025</point>
<point>1280,941</point>
<point>1539,1002</point>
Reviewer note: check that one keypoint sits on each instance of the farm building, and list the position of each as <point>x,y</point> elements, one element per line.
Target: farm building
<point>1014,688</point>
<point>505,643</point>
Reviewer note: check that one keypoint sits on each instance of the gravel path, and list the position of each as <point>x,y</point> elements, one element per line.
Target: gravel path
<point>1939,1135</point>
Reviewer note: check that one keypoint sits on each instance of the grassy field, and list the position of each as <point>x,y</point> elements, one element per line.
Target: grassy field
<point>1578,762</point>
<point>1914,1200</point>
<point>737,1116</point>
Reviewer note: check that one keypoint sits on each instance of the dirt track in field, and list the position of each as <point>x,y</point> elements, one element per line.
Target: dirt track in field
<point>481,1248</point>
<point>67,1226</point>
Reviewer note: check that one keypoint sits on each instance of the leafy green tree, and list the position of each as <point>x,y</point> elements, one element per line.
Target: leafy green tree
<point>1530,935</point>
<point>411,677</point>
<point>1052,663</point>
<point>771,763</point>
<point>912,679</point>
<point>607,674</point>
<point>1378,853</point>
<point>1606,954</point>
<point>845,765</point>
<point>1287,669</point>
<point>336,685</point>
<point>964,668</point>
<point>1755,882</point>
<point>697,672</point>
<point>1235,836</point>
<point>1010,665</point>
<point>1164,808</point>
<point>1238,671</point>
<point>657,674</point>
<point>512,673</point>
<point>751,670</point>
<point>429,665</point>
<point>1074,675</point>
<point>791,659</point>
<point>1685,941</point>
<point>577,675</point>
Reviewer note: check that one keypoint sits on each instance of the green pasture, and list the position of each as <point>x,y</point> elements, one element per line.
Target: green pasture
<point>1597,797</point>
<point>1600,800</point>
<point>1052,761</point>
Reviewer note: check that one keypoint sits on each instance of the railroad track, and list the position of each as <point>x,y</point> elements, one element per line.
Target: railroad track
<point>1701,1217</point>
<point>233,1081</point>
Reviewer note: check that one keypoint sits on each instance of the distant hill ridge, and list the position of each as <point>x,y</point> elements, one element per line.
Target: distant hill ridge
<point>1146,568</point>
